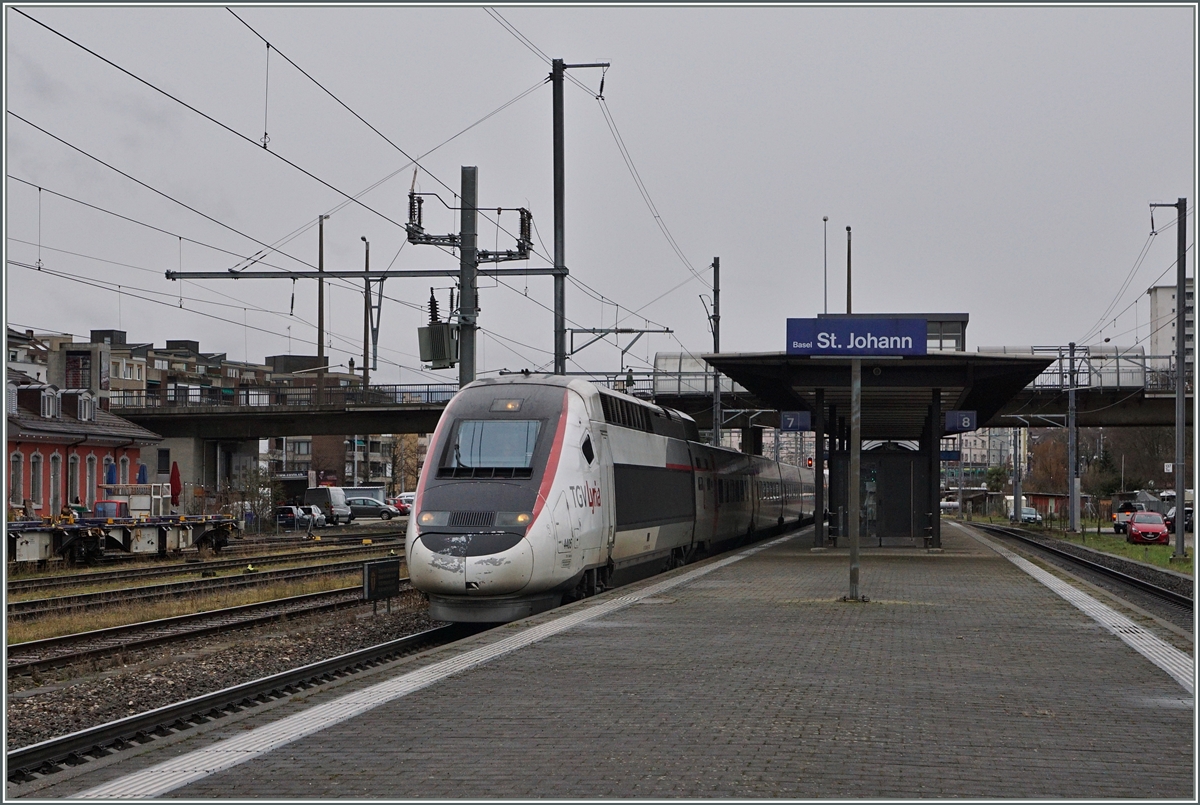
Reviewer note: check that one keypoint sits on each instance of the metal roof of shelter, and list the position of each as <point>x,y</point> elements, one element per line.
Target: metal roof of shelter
<point>896,391</point>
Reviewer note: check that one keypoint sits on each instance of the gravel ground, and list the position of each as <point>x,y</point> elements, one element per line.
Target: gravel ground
<point>70,699</point>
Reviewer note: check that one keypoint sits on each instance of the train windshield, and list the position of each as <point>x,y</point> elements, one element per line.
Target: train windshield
<point>492,444</point>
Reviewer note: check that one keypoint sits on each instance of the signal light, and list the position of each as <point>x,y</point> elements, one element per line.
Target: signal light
<point>810,462</point>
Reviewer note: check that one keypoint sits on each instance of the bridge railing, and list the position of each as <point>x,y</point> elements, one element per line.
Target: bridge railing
<point>1100,368</point>
<point>270,396</point>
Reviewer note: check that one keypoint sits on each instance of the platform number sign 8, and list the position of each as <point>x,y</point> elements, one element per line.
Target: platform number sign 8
<point>959,421</point>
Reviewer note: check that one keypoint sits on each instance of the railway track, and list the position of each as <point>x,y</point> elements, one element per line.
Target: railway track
<point>49,757</point>
<point>248,544</point>
<point>1125,579</point>
<point>56,652</point>
<point>44,606</point>
<point>158,570</point>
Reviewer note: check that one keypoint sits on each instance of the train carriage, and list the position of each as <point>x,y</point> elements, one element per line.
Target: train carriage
<point>541,488</point>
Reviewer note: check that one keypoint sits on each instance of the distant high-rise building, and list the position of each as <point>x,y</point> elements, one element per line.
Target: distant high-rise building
<point>1162,323</point>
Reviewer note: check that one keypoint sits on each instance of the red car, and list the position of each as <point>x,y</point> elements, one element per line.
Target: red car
<point>399,504</point>
<point>1148,527</point>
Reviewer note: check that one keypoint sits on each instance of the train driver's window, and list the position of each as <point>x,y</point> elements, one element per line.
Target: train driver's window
<point>588,452</point>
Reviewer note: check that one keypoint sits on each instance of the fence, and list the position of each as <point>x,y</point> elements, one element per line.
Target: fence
<point>269,396</point>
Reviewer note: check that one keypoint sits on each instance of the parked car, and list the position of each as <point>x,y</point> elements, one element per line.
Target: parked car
<point>400,505</point>
<point>332,500</point>
<point>370,507</point>
<point>1123,513</point>
<point>316,515</point>
<point>1169,519</point>
<point>290,518</point>
<point>1148,527</point>
<point>1029,515</point>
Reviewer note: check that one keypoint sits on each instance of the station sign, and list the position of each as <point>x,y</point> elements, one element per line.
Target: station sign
<point>795,420</point>
<point>852,338</point>
<point>961,421</point>
<point>951,455</point>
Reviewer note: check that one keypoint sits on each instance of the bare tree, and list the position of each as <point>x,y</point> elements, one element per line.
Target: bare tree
<point>408,454</point>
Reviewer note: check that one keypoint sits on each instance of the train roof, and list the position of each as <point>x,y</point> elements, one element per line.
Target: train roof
<point>581,384</point>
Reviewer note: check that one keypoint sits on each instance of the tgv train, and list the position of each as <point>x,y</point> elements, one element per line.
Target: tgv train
<point>540,489</point>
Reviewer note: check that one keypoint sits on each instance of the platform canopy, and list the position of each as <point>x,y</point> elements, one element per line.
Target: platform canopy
<point>896,391</point>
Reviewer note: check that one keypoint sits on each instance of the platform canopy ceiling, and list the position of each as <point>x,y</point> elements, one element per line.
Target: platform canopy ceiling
<point>896,392</point>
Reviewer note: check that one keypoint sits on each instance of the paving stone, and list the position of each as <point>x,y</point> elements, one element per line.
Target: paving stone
<point>962,677</point>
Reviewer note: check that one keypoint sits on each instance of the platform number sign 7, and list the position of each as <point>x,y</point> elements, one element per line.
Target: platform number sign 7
<point>795,420</point>
<point>959,421</point>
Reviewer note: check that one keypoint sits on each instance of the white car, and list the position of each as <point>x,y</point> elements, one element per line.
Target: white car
<point>314,514</point>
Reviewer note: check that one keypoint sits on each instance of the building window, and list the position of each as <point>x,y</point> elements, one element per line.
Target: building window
<point>160,364</point>
<point>73,479</point>
<point>55,483</point>
<point>50,404</point>
<point>124,470</point>
<point>164,461</point>
<point>35,479</point>
<point>86,408</point>
<point>231,372</point>
<point>79,370</point>
<point>17,466</point>
<point>90,492</point>
<point>302,448</point>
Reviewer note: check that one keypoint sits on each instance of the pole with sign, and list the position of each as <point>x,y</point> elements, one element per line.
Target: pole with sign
<point>856,339</point>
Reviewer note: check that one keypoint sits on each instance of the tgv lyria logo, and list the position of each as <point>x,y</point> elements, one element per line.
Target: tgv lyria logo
<point>586,495</point>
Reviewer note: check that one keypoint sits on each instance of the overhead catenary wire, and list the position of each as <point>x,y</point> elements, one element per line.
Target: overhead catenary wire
<point>351,348</point>
<point>412,160</point>
<point>622,149</point>
<point>343,283</point>
<point>208,117</point>
<point>1136,299</point>
<point>350,199</point>
<point>1142,254</point>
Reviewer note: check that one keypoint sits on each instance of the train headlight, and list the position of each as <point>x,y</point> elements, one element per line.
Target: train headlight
<point>433,518</point>
<point>513,518</point>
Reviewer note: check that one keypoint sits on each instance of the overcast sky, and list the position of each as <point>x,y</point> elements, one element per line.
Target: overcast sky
<point>993,161</point>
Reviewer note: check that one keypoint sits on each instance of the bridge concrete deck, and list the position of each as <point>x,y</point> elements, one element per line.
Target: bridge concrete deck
<point>963,676</point>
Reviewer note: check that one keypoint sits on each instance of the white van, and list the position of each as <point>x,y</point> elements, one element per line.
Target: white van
<point>332,500</point>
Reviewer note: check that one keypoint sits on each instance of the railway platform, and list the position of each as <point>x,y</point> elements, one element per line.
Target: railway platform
<point>965,674</point>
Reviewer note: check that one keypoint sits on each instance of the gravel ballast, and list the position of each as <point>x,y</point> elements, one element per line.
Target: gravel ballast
<point>60,702</point>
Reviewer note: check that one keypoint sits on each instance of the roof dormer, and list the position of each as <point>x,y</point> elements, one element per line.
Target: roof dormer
<point>80,404</point>
<point>40,398</point>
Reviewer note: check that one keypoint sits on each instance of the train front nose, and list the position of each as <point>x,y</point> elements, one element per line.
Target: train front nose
<point>490,563</point>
